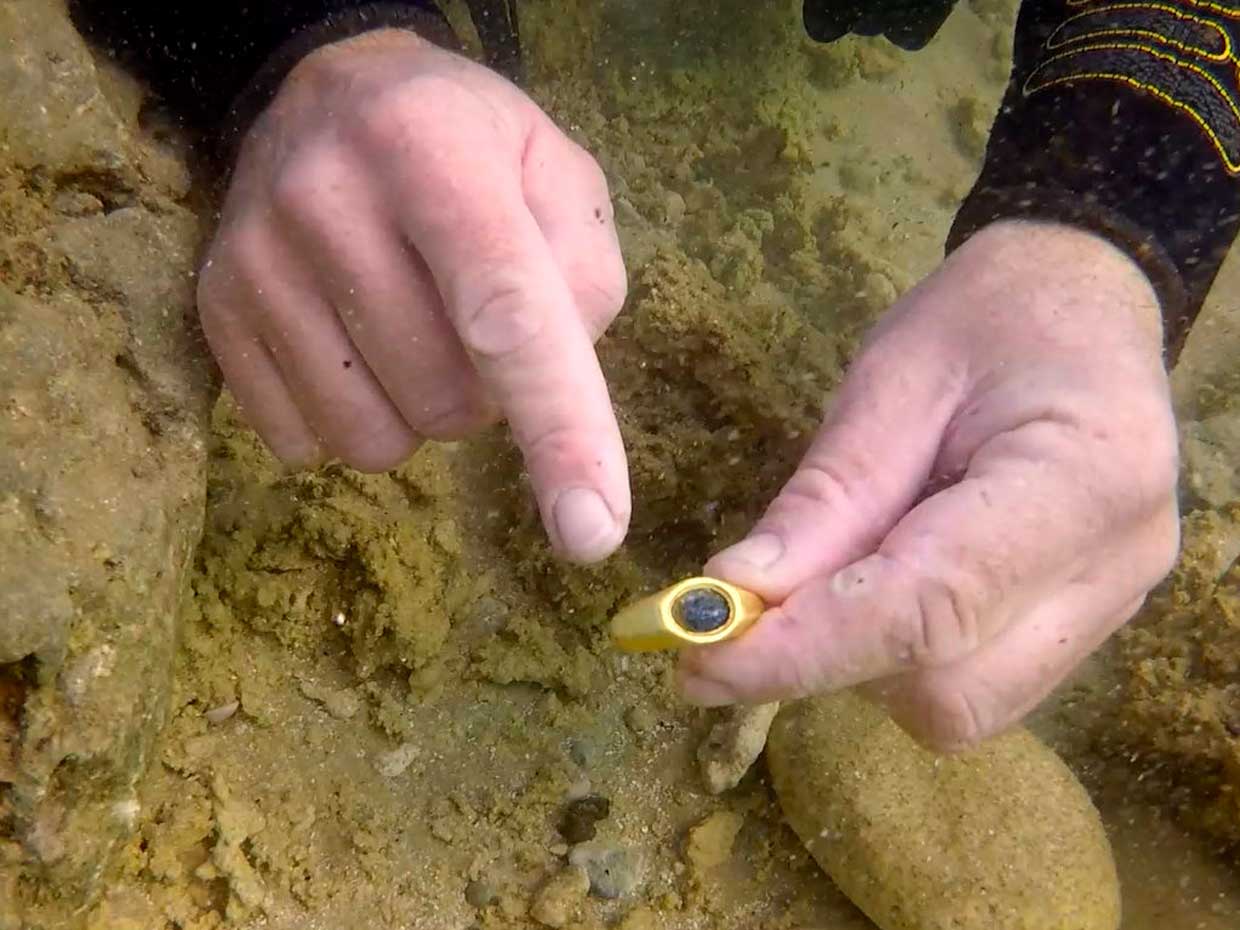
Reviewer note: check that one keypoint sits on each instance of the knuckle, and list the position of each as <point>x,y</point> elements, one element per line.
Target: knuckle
<point>457,422</point>
<point>831,485</point>
<point>389,119</point>
<point>935,624</point>
<point>600,290</point>
<point>943,716</point>
<point>300,183</point>
<point>592,172</point>
<point>503,323</point>
<point>799,674</point>
<point>235,271</point>
<point>955,721</point>
<point>1140,466</point>
<point>381,121</point>
<point>609,283</point>
<point>561,449</point>
<point>1149,472</point>
<point>249,267</point>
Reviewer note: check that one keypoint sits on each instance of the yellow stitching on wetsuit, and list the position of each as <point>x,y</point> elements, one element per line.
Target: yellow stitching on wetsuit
<point>1226,53</point>
<point>1162,48</point>
<point>1231,158</point>
<point>1229,12</point>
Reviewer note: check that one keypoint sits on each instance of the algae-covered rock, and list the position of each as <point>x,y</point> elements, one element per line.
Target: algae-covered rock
<point>103,399</point>
<point>1178,704</point>
<point>1002,836</point>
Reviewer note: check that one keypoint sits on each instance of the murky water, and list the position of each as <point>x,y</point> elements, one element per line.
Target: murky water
<point>406,688</point>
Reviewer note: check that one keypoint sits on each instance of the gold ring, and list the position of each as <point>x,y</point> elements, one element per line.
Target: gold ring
<point>695,611</point>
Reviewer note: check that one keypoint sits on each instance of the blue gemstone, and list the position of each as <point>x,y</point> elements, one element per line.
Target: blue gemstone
<point>702,610</point>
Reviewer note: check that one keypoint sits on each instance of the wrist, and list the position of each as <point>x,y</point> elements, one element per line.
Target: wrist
<point>1083,281</point>
<point>377,25</point>
<point>383,41</point>
<point>987,206</point>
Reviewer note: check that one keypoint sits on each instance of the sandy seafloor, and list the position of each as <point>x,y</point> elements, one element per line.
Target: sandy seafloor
<point>421,686</point>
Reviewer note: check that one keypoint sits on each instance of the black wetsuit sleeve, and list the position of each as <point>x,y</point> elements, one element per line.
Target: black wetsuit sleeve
<point>1123,118</point>
<point>218,64</point>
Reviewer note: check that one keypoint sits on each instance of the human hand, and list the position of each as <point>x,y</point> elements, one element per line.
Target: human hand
<point>992,495</point>
<point>408,249</point>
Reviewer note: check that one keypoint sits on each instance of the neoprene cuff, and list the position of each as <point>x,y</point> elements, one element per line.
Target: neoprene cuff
<point>986,205</point>
<point>247,106</point>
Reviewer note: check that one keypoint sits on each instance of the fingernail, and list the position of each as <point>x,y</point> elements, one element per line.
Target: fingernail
<point>584,523</point>
<point>760,551</point>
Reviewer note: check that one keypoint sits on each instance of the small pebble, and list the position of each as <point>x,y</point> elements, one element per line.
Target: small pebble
<point>584,751</point>
<point>640,719</point>
<point>443,829</point>
<point>674,208</point>
<point>558,901</point>
<point>394,762</point>
<point>615,872</point>
<point>77,203</point>
<point>578,789</point>
<point>579,818</point>
<point>734,744</point>
<point>880,289</point>
<point>222,713</point>
<point>483,619</point>
<point>480,893</point>
<point>970,120</point>
<point>626,214</point>
<point>341,703</point>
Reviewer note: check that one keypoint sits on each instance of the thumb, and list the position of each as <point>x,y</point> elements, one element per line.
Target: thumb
<point>867,466</point>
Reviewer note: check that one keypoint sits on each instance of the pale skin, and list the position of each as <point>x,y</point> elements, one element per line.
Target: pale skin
<point>410,249</point>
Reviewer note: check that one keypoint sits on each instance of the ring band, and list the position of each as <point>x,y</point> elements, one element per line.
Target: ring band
<point>696,611</point>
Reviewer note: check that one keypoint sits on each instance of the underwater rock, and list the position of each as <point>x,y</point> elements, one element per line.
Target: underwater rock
<point>341,703</point>
<point>481,893</point>
<point>615,872</point>
<point>577,823</point>
<point>222,712</point>
<point>1001,836</point>
<point>1176,710</point>
<point>106,392</point>
<point>970,121</point>
<point>641,719</point>
<point>1208,450</point>
<point>559,900</point>
<point>710,842</point>
<point>393,763</point>
<point>734,744</point>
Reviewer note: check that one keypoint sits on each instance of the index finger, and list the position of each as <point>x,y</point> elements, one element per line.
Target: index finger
<point>464,210</point>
